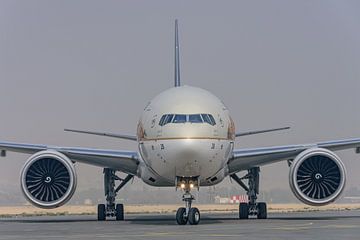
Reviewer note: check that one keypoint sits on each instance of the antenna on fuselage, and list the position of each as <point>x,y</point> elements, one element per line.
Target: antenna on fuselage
<point>177,57</point>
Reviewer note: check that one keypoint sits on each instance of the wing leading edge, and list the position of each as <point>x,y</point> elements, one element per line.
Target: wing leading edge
<point>243,159</point>
<point>241,134</point>
<point>125,161</point>
<point>114,135</point>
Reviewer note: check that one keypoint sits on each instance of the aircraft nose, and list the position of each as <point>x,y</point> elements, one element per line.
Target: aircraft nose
<point>187,160</point>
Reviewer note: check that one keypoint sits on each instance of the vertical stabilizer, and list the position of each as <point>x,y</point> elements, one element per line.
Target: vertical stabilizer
<point>177,57</point>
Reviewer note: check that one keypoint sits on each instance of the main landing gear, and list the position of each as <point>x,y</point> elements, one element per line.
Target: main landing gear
<point>111,209</point>
<point>187,214</point>
<point>252,208</point>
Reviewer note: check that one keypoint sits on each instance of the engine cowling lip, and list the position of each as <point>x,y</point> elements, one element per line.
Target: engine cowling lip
<point>69,166</point>
<point>293,177</point>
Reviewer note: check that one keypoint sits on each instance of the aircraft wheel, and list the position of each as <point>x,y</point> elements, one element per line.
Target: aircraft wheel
<point>194,216</point>
<point>119,212</point>
<point>262,210</point>
<point>243,211</point>
<point>101,211</point>
<point>180,216</point>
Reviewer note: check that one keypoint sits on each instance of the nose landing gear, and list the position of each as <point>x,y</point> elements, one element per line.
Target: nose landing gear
<point>187,214</point>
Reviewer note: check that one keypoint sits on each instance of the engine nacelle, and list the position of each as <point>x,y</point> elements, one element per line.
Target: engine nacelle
<point>317,176</point>
<point>48,179</point>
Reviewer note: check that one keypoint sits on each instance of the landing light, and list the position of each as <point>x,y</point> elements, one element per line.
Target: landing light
<point>191,185</point>
<point>182,185</point>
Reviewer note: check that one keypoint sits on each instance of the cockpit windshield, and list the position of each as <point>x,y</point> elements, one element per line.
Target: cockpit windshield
<point>179,118</point>
<point>195,118</point>
<point>169,118</point>
<point>183,118</point>
<point>206,118</point>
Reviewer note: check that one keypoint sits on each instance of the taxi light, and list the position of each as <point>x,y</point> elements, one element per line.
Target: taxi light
<point>182,185</point>
<point>191,185</point>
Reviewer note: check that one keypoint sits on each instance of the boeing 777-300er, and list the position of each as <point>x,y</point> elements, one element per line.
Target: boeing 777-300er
<point>185,140</point>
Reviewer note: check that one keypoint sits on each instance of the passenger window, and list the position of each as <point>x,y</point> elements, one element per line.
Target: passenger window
<point>195,118</point>
<point>179,118</point>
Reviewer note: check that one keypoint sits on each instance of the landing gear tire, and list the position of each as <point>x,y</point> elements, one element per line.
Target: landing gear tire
<point>261,210</point>
<point>119,212</point>
<point>194,216</point>
<point>181,219</point>
<point>101,211</point>
<point>243,211</point>
<point>252,208</point>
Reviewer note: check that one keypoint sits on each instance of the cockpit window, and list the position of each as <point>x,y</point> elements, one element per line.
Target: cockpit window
<point>208,118</point>
<point>195,118</point>
<point>169,118</point>
<point>212,119</point>
<point>183,118</point>
<point>165,119</point>
<point>162,120</point>
<point>179,118</point>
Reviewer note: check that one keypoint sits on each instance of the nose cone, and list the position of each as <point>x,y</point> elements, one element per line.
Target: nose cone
<point>186,156</point>
<point>187,160</point>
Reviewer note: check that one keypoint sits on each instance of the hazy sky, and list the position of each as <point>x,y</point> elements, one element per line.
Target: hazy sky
<point>95,64</point>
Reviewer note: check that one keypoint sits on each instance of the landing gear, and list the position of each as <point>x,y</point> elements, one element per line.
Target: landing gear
<point>194,216</point>
<point>119,212</point>
<point>111,209</point>
<point>181,217</point>
<point>262,210</point>
<point>187,214</point>
<point>252,208</point>
<point>243,211</point>
<point>101,212</point>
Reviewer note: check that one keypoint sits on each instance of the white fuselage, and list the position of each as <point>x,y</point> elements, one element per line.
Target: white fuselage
<point>185,132</point>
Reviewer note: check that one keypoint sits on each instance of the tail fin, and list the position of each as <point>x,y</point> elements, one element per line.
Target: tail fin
<point>177,57</point>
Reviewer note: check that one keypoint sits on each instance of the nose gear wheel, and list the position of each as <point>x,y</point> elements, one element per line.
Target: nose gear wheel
<point>187,214</point>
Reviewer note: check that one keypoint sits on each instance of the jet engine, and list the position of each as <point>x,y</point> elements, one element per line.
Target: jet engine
<point>48,179</point>
<point>317,176</point>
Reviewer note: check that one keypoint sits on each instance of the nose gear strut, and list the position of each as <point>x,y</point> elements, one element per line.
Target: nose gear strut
<point>187,214</point>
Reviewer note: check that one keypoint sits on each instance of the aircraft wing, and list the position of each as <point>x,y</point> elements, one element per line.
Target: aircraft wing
<point>125,161</point>
<point>243,159</point>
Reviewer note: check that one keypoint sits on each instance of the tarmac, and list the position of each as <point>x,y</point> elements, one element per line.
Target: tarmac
<point>303,225</point>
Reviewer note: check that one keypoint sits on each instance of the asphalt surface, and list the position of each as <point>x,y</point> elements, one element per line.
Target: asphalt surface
<point>308,225</point>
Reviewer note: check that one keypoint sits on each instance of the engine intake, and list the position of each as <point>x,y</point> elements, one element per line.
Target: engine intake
<point>48,179</point>
<point>317,176</point>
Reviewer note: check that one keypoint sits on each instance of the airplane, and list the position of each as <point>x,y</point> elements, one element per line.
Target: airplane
<point>185,139</point>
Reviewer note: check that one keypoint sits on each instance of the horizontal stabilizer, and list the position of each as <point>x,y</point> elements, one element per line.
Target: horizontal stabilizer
<point>240,134</point>
<point>122,136</point>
